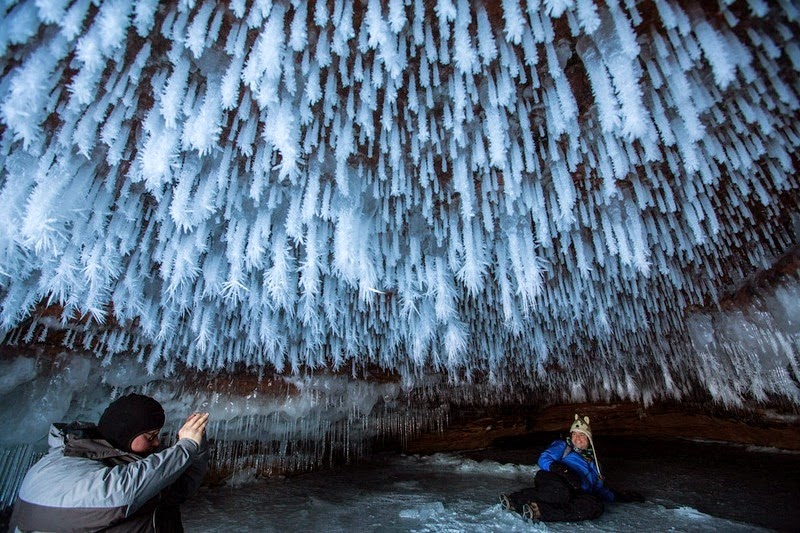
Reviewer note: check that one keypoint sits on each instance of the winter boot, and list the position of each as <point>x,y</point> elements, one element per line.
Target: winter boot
<point>531,511</point>
<point>510,504</point>
<point>505,502</point>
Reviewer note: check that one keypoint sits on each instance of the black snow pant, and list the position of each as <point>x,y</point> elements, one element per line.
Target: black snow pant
<point>557,501</point>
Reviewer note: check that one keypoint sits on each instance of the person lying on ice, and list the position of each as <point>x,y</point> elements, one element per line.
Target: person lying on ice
<point>569,486</point>
<point>111,476</point>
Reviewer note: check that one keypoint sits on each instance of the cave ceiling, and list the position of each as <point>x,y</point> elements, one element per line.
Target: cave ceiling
<point>561,197</point>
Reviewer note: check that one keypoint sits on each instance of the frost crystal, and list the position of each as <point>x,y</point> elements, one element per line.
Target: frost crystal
<point>478,189</point>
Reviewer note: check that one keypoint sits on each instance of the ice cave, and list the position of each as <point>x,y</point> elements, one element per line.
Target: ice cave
<point>411,234</point>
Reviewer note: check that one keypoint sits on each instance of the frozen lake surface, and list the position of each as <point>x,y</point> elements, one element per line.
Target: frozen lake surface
<point>454,492</point>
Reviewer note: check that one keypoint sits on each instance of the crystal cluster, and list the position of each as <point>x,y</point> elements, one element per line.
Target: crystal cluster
<point>529,192</point>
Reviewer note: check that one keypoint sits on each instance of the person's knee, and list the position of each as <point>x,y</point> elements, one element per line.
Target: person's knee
<point>551,487</point>
<point>588,507</point>
<point>550,480</point>
<point>545,476</point>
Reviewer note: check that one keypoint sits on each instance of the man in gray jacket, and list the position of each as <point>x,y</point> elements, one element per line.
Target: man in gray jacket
<point>110,476</point>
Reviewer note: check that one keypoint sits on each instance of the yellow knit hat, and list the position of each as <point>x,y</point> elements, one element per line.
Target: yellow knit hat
<point>581,425</point>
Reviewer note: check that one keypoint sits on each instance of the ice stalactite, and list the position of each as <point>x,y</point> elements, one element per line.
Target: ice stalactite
<point>264,426</point>
<point>518,190</point>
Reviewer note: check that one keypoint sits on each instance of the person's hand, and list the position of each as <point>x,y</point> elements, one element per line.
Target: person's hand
<point>572,478</point>
<point>194,428</point>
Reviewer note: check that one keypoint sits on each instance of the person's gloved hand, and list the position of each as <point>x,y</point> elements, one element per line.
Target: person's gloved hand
<point>628,496</point>
<point>573,479</point>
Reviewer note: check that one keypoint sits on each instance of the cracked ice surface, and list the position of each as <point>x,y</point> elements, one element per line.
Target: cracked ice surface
<point>421,494</point>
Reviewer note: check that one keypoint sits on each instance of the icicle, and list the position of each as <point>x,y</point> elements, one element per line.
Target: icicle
<point>202,128</point>
<point>465,56</point>
<point>556,8</point>
<point>278,278</point>
<point>714,50</point>
<point>317,186</point>
<point>283,134</point>
<point>298,38</point>
<point>497,138</point>
<point>486,42</point>
<point>587,15</point>
<point>265,61</point>
<point>174,93</point>
<point>473,270</point>
<point>26,98</point>
<point>512,14</point>
<point>607,106</point>
<point>455,344</point>
<point>197,35</point>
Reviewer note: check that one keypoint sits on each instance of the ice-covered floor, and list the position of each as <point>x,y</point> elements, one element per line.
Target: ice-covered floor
<point>445,492</point>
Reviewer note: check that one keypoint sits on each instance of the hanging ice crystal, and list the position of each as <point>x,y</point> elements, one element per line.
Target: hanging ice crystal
<point>476,189</point>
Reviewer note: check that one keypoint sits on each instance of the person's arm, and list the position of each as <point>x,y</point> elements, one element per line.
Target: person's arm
<point>552,454</point>
<point>137,482</point>
<point>146,478</point>
<point>604,492</point>
<point>189,483</point>
<point>597,485</point>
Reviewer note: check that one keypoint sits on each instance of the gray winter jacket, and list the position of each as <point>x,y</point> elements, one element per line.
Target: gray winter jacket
<point>85,484</point>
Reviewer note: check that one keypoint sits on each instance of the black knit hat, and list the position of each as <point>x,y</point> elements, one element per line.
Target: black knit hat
<point>128,417</point>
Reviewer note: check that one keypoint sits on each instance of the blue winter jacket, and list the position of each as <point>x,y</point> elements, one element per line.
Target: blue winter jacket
<point>590,477</point>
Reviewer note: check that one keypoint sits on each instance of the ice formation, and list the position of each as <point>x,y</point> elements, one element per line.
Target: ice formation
<point>519,196</point>
<point>268,425</point>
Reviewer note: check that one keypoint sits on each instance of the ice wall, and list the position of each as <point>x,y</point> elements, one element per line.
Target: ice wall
<point>268,425</point>
<point>750,349</point>
<point>515,193</point>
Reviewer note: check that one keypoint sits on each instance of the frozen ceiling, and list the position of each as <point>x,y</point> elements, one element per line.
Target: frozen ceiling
<point>543,195</point>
